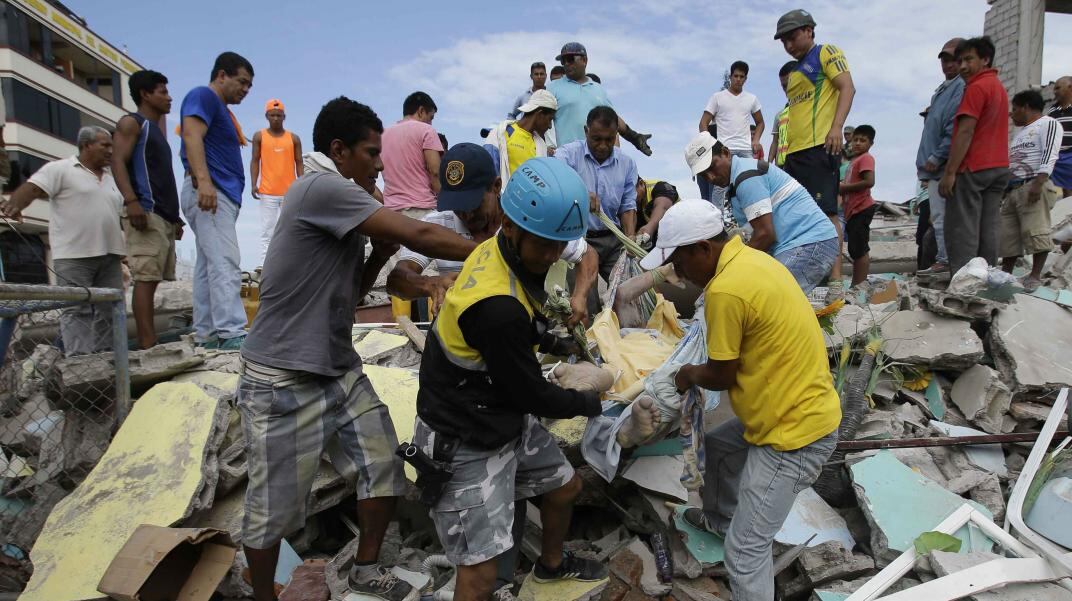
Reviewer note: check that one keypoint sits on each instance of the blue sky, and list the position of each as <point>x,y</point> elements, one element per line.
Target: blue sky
<point>659,60</point>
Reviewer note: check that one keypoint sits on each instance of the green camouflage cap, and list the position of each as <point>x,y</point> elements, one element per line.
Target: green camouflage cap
<point>794,19</point>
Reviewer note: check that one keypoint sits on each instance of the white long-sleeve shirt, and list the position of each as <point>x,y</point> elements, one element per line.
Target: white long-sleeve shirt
<point>1035,148</point>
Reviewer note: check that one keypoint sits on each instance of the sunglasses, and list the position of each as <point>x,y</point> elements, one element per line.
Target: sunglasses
<point>569,58</point>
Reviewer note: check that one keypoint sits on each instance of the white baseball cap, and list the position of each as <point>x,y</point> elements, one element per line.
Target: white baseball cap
<point>539,99</point>
<point>698,152</point>
<point>687,222</point>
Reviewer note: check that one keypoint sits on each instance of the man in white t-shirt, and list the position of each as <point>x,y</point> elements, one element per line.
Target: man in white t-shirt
<point>83,231</point>
<point>732,111</point>
<point>1030,195</point>
<point>468,203</point>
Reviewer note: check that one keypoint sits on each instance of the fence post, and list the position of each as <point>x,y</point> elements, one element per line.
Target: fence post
<point>122,367</point>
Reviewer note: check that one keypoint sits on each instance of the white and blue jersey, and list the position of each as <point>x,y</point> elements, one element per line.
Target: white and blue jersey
<point>798,220</point>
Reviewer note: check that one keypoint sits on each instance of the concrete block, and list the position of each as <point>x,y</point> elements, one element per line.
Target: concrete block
<point>1029,343</point>
<point>159,468</point>
<point>923,338</point>
<point>885,487</point>
<point>830,561</point>
<point>957,305</point>
<point>983,398</point>
<point>91,378</point>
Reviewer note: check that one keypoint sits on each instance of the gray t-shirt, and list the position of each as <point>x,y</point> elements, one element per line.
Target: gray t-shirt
<point>310,278</point>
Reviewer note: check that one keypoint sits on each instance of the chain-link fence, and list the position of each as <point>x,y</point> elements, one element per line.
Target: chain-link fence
<point>63,394</point>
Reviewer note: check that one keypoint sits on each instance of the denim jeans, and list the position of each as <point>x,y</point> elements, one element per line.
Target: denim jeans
<point>87,328</point>
<point>937,203</point>
<point>810,263</point>
<point>747,494</point>
<point>218,310</point>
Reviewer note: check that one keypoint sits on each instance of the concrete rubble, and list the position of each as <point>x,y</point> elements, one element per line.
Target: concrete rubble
<point>951,366</point>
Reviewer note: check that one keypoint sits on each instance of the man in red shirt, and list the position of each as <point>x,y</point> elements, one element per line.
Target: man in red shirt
<point>978,168</point>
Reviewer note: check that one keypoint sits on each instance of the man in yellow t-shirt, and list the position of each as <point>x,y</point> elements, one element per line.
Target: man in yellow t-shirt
<point>765,347</point>
<point>820,95</point>
<point>511,143</point>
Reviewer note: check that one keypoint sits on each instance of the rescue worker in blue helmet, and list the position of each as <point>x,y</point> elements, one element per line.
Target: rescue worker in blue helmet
<point>482,389</point>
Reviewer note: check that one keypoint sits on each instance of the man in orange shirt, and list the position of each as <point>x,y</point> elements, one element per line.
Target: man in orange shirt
<point>277,162</point>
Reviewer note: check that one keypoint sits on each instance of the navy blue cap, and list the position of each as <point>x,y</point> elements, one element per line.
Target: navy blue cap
<point>465,173</point>
<point>572,48</point>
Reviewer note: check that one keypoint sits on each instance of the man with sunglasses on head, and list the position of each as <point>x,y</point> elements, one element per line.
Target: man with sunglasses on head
<point>578,94</point>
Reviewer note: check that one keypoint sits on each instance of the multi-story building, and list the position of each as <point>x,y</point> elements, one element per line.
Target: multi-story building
<point>56,76</point>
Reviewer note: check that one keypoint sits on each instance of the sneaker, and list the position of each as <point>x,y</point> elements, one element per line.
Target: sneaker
<point>695,517</point>
<point>1030,283</point>
<point>503,594</point>
<point>210,344</point>
<point>571,568</point>
<point>835,291</point>
<point>935,269</point>
<point>386,586</point>
<point>231,344</point>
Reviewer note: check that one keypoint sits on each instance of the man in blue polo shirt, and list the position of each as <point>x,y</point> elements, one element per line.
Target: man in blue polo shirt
<point>210,199</point>
<point>610,176</point>
<point>577,94</point>
<point>785,220</point>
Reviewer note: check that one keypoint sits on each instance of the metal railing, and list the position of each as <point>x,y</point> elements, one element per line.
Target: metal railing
<point>64,391</point>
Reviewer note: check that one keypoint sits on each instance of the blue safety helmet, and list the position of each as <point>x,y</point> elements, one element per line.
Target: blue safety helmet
<point>547,198</point>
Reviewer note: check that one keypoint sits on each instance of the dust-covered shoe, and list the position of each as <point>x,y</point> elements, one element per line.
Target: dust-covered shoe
<point>571,568</point>
<point>382,584</point>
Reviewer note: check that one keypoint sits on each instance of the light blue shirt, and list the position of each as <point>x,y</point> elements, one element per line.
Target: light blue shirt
<point>614,181</point>
<point>575,101</point>
<point>798,220</point>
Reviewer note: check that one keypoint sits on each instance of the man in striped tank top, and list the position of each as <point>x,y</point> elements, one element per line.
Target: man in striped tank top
<point>142,167</point>
<point>277,162</point>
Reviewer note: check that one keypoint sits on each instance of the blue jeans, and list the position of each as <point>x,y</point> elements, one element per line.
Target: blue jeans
<point>810,263</point>
<point>938,219</point>
<point>747,494</point>
<point>218,310</point>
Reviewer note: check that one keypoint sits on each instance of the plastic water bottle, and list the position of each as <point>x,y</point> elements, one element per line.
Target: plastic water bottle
<point>664,562</point>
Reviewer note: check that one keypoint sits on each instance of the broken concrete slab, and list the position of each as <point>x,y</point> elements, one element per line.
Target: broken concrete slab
<point>877,424</point>
<point>91,378</point>
<point>1029,343</point>
<point>972,308</point>
<point>216,383</point>
<point>989,457</point>
<point>830,561</point>
<point>659,474</point>
<point>944,563</point>
<point>811,517</point>
<point>885,487</point>
<point>397,389</point>
<point>159,468</point>
<point>982,397</point>
<point>1026,411</point>
<point>923,338</point>
<point>988,493</point>
<point>377,343</point>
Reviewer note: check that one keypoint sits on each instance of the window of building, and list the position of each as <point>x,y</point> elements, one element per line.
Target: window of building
<point>30,106</point>
<point>23,165</point>
<point>22,258</point>
<point>30,38</point>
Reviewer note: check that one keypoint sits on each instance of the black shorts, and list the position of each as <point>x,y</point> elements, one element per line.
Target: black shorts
<point>858,232</point>
<point>819,172</point>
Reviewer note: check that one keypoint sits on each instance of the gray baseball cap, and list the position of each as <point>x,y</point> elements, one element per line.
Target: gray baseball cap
<point>794,19</point>
<point>572,48</point>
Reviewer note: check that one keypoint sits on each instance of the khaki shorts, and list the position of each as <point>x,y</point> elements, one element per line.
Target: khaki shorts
<point>1025,226</point>
<point>151,252</point>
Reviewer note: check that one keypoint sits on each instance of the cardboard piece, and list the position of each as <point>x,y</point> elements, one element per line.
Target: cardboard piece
<point>156,562</point>
<point>887,294</point>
